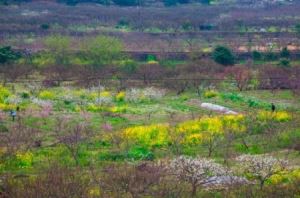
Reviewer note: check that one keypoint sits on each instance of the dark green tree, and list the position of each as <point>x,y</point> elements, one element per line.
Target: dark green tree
<point>256,55</point>
<point>223,56</point>
<point>285,53</point>
<point>297,28</point>
<point>126,2</point>
<point>7,54</point>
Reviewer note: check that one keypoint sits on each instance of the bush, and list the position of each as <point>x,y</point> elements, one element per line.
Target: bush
<point>25,95</point>
<point>4,93</point>
<point>8,55</point>
<point>223,56</point>
<point>285,53</point>
<point>24,160</point>
<point>45,26</point>
<point>122,23</point>
<point>284,63</point>
<point>256,55</point>
<point>140,153</point>
<point>120,97</point>
<point>210,94</point>
<point>233,97</point>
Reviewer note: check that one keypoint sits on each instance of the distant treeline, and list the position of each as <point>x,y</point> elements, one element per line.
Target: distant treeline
<point>111,2</point>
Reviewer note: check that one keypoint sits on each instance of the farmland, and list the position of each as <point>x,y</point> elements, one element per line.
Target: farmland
<point>157,99</point>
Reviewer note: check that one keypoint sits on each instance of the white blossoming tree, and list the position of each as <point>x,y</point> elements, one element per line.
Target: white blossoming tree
<point>196,171</point>
<point>261,167</point>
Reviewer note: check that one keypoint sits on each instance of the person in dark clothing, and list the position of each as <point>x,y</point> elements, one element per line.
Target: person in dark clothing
<point>273,107</point>
<point>13,114</point>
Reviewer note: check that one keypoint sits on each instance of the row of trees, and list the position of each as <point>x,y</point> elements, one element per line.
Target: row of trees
<point>109,2</point>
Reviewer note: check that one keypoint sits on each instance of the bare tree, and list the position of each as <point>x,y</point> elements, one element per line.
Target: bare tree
<point>18,137</point>
<point>138,181</point>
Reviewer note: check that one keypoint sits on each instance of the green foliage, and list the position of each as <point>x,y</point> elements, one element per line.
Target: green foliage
<point>140,153</point>
<point>111,156</point>
<point>4,93</point>
<point>289,138</point>
<point>25,95</point>
<point>235,97</point>
<point>187,26</point>
<point>47,95</point>
<point>126,2</point>
<point>285,53</point>
<point>210,94</point>
<point>150,58</point>
<point>284,62</point>
<point>103,50</point>
<point>8,55</point>
<point>270,56</point>
<point>45,26</point>
<point>256,55</point>
<point>252,149</point>
<point>122,23</point>
<point>58,47</point>
<point>297,28</point>
<point>223,56</point>
<point>128,66</point>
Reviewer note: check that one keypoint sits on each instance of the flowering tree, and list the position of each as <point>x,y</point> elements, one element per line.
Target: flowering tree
<point>261,167</point>
<point>196,171</point>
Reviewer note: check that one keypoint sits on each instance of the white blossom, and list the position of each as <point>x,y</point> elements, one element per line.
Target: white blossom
<point>261,167</point>
<point>196,170</point>
<point>152,93</point>
<point>41,102</point>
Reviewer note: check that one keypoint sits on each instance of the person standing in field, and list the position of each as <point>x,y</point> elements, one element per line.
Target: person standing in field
<point>13,115</point>
<point>273,107</point>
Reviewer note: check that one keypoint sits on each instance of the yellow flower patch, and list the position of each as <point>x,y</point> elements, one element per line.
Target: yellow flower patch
<point>120,96</point>
<point>151,135</point>
<point>7,107</point>
<point>46,95</point>
<point>280,116</point>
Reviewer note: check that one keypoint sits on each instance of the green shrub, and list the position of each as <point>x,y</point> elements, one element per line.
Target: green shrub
<point>25,95</point>
<point>151,58</point>
<point>45,26</point>
<point>285,53</point>
<point>223,56</point>
<point>140,153</point>
<point>256,55</point>
<point>7,54</point>
<point>210,94</point>
<point>252,103</point>
<point>111,156</point>
<point>284,62</point>
<point>233,97</point>
<point>122,23</point>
